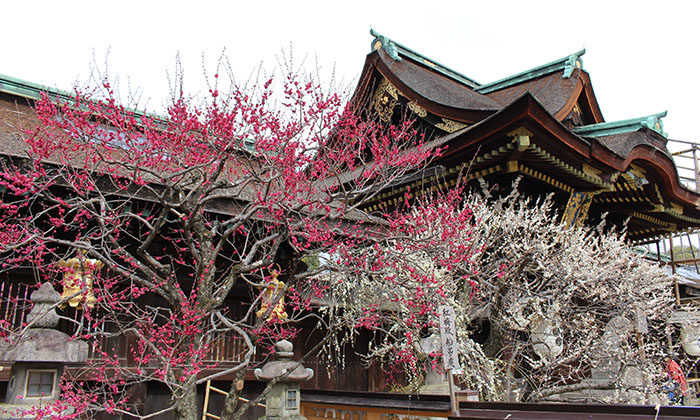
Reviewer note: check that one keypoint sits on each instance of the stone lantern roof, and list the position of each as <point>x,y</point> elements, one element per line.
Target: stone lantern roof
<point>283,365</point>
<point>42,342</point>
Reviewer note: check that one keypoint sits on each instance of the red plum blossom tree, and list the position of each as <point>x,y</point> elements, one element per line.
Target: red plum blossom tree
<point>192,215</point>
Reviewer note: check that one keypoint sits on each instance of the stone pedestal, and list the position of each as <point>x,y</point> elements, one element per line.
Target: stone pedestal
<point>608,366</point>
<point>690,339</point>
<point>435,383</point>
<point>19,375</point>
<point>546,338</point>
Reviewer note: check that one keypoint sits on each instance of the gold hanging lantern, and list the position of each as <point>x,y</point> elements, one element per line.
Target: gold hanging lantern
<point>273,289</point>
<point>78,275</point>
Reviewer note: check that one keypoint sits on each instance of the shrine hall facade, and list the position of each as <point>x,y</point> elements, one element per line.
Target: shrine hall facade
<point>543,125</point>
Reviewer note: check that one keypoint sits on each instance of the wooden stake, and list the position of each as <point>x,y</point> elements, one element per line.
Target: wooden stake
<point>453,399</point>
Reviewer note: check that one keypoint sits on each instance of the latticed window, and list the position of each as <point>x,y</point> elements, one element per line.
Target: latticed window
<point>40,383</point>
<point>291,399</point>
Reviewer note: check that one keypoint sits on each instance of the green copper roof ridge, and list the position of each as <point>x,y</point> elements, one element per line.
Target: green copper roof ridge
<point>568,64</point>
<point>652,122</point>
<point>31,90</point>
<point>393,49</point>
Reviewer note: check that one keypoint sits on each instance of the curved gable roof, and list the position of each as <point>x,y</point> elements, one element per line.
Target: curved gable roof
<point>552,91</point>
<point>433,86</point>
<point>559,85</point>
<point>554,102</point>
<point>557,94</point>
<point>615,151</point>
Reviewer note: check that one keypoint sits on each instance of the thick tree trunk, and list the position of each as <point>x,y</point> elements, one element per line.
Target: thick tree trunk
<point>229,408</point>
<point>501,344</point>
<point>187,409</point>
<point>232,398</point>
<point>496,341</point>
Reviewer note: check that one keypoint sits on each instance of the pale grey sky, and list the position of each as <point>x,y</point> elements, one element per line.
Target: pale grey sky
<point>642,55</point>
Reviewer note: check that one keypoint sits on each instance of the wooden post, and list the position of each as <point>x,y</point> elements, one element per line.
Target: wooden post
<point>673,269</point>
<point>695,167</point>
<point>692,251</point>
<point>206,401</point>
<point>450,346</point>
<point>673,259</point>
<point>454,404</point>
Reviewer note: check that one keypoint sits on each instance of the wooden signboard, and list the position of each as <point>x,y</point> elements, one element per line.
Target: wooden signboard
<point>450,347</point>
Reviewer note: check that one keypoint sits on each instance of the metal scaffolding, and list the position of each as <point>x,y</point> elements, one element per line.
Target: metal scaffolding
<point>682,249</point>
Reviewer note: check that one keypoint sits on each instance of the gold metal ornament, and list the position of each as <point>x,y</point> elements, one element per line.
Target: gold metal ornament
<point>77,281</point>
<point>272,290</point>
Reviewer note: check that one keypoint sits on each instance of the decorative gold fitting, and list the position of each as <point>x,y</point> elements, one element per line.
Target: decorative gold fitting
<point>78,276</point>
<point>273,289</point>
<point>522,136</point>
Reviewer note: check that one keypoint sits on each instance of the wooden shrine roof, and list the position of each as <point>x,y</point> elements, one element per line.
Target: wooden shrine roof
<point>571,146</point>
<point>557,94</point>
<point>428,86</point>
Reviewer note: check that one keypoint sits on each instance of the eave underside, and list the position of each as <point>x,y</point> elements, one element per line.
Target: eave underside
<point>636,190</point>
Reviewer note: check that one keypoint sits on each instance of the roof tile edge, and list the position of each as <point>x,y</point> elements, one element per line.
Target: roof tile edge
<point>30,90</point>
<point>396,50</point>
<point>652,122</point>
<point>568,64</point>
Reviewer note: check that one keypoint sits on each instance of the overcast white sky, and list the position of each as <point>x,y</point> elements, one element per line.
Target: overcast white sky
<point>642,55</point>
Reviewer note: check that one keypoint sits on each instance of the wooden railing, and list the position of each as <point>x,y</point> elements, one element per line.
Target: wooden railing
<point>687,162</point>
<point>224,348</point>
<point>563,411</point>
<point>340,412</point>
<point>341,405</point>
<point>14,303</point>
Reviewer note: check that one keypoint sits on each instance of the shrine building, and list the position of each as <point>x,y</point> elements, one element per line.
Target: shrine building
<point>543,125</point>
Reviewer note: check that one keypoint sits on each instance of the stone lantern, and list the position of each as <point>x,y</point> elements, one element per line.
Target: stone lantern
<point>283,400</point>
<point>435,382</point>
<point>39,354</point>
<point>546,338</point>
<point>690,339</point>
